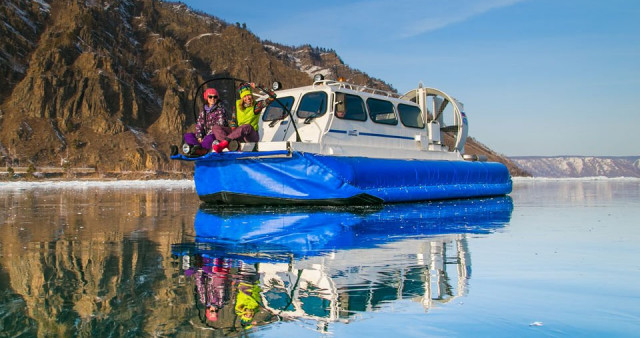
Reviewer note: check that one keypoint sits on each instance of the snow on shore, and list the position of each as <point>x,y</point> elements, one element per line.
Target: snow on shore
<point>188,184</point>
<point>118,184</point>
<point>593,178</point>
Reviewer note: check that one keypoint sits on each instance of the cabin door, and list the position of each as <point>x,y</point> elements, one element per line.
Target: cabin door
<point>276,120</point>
<point>311,117</point>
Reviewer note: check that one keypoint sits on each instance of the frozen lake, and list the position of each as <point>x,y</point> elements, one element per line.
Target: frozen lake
<point>556,258</point>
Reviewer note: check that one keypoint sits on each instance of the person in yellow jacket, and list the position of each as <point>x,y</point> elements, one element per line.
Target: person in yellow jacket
<point>247,303</point>
<point>245,120</point>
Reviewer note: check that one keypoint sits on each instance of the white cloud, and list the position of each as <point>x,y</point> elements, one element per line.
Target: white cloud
<point>442,14</point>
<point>376,21</point>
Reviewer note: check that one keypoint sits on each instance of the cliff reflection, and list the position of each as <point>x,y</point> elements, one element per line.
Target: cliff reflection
<point>328,265</point>
<point>88,262</point>
<point>130,262</point>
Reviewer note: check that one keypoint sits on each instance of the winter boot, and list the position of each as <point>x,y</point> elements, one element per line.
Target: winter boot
<point>220,146</point>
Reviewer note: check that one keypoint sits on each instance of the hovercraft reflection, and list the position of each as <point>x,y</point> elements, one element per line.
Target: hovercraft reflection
<point>329,264</point>
<point>312,231</point>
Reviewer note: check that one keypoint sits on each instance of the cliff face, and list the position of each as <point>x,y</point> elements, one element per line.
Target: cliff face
<point>474,147</point>
<point>110,84</point>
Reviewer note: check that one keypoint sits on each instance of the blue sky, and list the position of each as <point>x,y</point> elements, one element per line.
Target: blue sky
<point>537,77</point>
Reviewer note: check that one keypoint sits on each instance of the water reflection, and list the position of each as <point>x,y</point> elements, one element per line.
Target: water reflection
<point>91,262</point>
<point>127,262</point>
<point>570,192</point>
<point>260,265</point>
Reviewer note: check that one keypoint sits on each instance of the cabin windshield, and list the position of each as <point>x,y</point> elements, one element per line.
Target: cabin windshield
<point>313,105</point>
<point>275,110</point>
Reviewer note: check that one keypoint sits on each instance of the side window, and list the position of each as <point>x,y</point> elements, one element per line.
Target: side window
<point>410,116</point>
<point>275,110</point>
<point>382,111</point>
<point>313,105</point>
<point>350,107</point>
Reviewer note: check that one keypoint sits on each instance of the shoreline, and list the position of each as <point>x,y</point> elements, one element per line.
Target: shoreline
<point>586,178</point>
<point>54,176</point>
<point>86,184</point>
<point>184,183</point>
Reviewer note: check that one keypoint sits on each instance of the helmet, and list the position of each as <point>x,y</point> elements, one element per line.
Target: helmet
<point>210,91</point>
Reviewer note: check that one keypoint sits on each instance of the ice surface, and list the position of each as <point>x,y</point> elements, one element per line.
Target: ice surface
<point>128,184</point>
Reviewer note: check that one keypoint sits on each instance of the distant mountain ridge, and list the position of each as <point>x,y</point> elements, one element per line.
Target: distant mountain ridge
<point>579,166</point>
<point>109,84</point>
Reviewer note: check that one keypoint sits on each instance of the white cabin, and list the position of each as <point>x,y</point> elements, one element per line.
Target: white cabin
<point>341,119</point>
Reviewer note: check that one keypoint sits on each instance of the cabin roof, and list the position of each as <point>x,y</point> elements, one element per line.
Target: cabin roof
<point>344,87</point>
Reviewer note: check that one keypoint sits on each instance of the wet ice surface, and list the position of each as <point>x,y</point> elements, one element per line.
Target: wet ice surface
<point>559,258</point>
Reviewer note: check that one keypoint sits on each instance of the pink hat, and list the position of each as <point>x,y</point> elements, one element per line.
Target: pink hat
<point>211,314</point>
<point>210,91</point>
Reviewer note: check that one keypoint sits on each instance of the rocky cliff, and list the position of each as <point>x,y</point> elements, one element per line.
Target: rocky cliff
<point>110,84</point>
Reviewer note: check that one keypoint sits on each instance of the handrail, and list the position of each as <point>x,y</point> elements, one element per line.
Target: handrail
<point>357,88</point>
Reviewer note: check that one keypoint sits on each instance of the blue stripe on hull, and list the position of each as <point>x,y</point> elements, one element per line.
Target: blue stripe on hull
<point>312,179</point>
